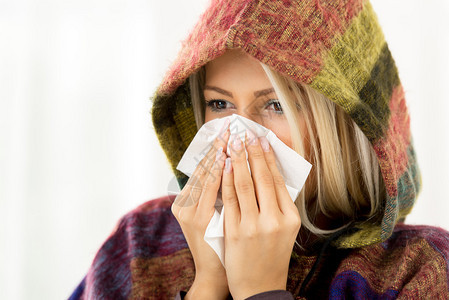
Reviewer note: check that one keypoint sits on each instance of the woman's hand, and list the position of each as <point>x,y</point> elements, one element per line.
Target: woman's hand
<point>194,208</point>
<point>261,220</point>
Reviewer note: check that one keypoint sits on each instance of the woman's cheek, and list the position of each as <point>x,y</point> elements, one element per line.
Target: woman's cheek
<point>282,131</point>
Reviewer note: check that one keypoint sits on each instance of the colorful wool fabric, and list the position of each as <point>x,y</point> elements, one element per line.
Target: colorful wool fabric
<point>147,258</point>
<point>336,47</point>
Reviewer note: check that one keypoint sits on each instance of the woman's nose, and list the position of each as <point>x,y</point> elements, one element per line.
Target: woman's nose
<point>250,113</point>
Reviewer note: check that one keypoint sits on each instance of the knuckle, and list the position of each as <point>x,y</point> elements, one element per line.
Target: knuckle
<point>278,180</point>
<point>250,231</point>
<point>232,236</point>
<point>294,221</point>
<point>271,161</point>
<point>202,168</point>
<point>256,154</point>
<point>266,179</point>
<point>238,157</point>
<point>229,198</point>
<point>210,183</point>
<point>214,177</point>
<point>272,227</point>
<point>244,186</point>
<point>232,202</point>
<point>227,186</point>
<point>195,192</point>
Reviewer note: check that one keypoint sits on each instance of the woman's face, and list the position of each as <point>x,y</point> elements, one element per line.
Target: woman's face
<point>237,84</point>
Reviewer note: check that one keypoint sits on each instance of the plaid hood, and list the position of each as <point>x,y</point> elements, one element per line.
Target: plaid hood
<point>336,47</point>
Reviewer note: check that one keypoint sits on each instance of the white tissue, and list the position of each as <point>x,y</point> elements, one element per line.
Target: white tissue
<point>293,167</point>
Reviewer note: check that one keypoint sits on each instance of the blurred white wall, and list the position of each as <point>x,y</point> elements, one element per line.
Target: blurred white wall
<point>77,148</point>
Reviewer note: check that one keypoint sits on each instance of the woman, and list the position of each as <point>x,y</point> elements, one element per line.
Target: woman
<point>320,76</point>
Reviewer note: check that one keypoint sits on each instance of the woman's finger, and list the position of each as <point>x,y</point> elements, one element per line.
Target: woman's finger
<point>211,185</point>
<point>242,180</point>
<point>261,175</point>
<point>203,168</point>
<point>285,202</point>
<point>192,191</point>
<point>229,196</point>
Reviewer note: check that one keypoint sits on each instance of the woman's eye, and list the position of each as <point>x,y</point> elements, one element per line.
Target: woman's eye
<point>217,105</point>
<point>275,106</point>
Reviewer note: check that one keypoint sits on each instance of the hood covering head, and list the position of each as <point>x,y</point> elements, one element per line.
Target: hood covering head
<point>337,48</point>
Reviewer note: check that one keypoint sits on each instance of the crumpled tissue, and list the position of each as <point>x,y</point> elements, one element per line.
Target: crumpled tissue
<point>293,167</point>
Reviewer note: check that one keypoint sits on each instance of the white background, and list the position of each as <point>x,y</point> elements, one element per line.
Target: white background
<point>77,148</point>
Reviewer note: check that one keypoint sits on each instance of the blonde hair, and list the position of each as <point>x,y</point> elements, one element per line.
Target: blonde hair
<point>345,183</point>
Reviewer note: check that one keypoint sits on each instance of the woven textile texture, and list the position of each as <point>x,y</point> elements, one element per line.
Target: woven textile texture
<point>338,48</point>
<point>147,257</point>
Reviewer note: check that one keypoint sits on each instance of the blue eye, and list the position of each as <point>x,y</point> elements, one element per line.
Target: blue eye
<point>275,106</point>
<point>217,105</point>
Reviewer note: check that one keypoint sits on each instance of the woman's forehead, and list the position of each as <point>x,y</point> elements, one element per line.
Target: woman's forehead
<point>235,67</point>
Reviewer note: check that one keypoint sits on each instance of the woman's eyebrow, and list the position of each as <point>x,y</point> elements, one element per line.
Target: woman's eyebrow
<point>229,94</point>
<point>263,92</point>
<point>218,90</point>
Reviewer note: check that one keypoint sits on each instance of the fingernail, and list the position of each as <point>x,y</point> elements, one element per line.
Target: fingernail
<point>237,143</point>
<point>264,143</point>
<point>250,137</point>
<point>228,165</point>
<point>219,152</point>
